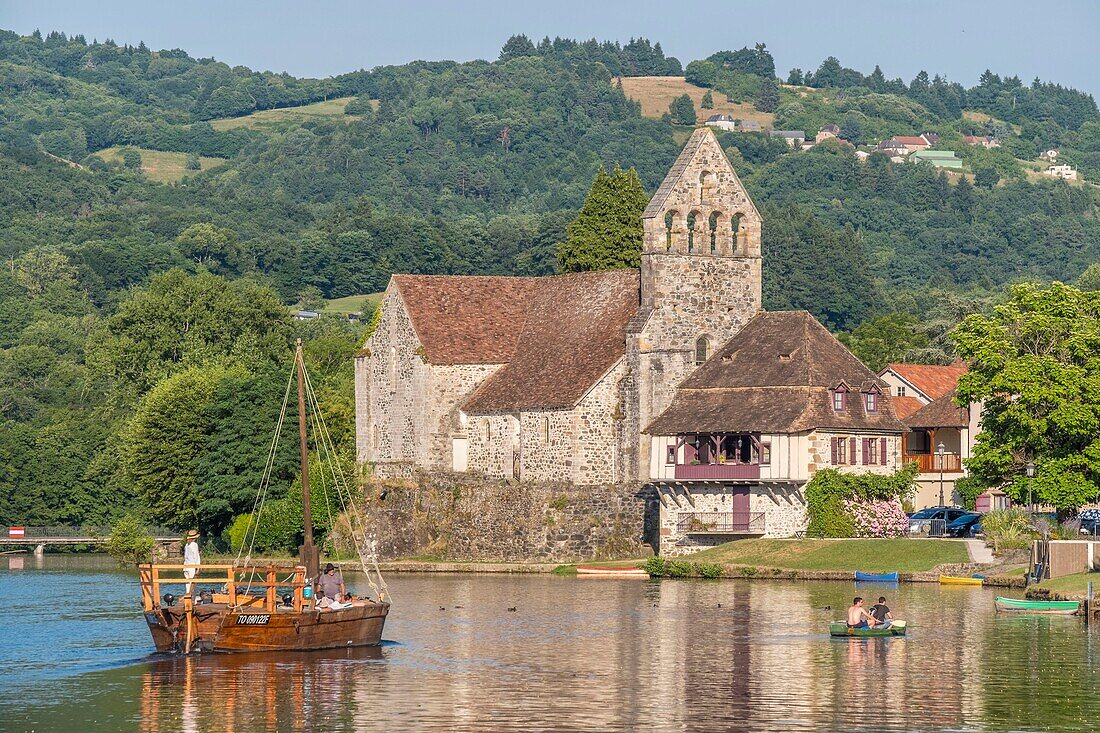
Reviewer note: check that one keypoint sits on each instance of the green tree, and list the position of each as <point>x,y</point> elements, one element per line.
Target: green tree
<point>708,101</point>
<point>131,159</point>
<point>768,98</point>
<point>884,339</point>
<point>211,246</point>
<point>130,543</point>
<point>795,77</point>
<point>851,129</point>
<point>518,45</point>
<point>1034,364</point>
<point>1089,280</point>
<point>682,110</point>
<point>986,176</point>
<point>607,233</point>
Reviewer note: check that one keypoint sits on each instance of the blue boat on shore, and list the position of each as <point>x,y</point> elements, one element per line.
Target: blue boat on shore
<point>877,577</point>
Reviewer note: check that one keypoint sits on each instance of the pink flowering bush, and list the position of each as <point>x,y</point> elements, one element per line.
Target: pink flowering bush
<point>877,518</point>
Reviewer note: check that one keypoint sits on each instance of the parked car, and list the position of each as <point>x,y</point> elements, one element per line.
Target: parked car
<point>963,525</point>
<point>921,522</point>
<point>1090,521</point>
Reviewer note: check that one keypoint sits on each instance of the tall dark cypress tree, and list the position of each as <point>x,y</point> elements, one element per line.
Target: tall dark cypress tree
<point>607,233</point>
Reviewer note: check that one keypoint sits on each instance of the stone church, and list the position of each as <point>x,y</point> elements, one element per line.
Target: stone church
<point>569,377</point>
<point>555,377</point>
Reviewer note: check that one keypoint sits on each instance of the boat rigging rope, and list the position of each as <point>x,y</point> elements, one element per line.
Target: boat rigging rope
<point>265,484</point>
<point>326,446</point>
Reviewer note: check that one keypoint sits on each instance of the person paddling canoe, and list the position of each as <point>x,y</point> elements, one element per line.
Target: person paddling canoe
<point>881,613</point>
<point>858,618</point>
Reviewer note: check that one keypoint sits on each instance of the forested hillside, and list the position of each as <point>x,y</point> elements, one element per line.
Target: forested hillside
<point>120,294</point>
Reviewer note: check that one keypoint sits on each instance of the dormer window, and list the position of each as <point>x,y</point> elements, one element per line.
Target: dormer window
<point>840,398</point>
<point>870,400</point>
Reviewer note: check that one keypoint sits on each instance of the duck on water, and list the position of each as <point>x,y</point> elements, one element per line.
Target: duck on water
<point>248,613</point>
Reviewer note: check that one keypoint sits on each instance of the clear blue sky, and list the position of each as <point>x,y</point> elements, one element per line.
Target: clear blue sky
<point>1055,40</point>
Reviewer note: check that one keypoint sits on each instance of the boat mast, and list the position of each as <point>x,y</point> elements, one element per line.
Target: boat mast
<point>307,552</point>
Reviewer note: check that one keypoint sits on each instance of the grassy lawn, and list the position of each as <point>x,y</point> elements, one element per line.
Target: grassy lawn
<point>351,303</point>
<point>869,555</point>
<point>655,94</point>
<point>160,166</point>
<point>288,115</point>
<point>1072,585</point>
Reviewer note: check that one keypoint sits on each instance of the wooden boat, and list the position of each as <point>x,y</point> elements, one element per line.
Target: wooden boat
<point>280,615</point>
<point>952,580</point>
<point>590,571</point>
<point>841,628</point>
<point>1020,605</point>
<point>877,577</point>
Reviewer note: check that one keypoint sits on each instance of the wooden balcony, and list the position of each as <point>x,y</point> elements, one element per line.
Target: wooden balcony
<point>717,471</point>
<point>733,523</point>
<point>930,462</point>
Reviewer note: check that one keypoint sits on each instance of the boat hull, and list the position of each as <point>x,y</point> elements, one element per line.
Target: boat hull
<point>1016,605</point>
<point>235,630</point>
<point>877,577</point>
<point>597,572</point>
<point>951,580</point>
<point>839,628</point>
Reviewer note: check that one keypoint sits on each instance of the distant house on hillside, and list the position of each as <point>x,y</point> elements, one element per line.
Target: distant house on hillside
<point>931,137</point>
<point>862,155</point>
<point>827,132</point>
<point>306,315</point>
<point>923,396</point>
<point>1065,172</point>
<point>722,122</point>
<point>1049,155</point>
<point>794,138</point>
<point>938,158</point>
<point>984,140</point>
<point>910,143</point>
<point>892,147</point>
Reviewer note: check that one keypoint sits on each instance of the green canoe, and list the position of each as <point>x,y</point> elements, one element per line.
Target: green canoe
<point>840,628</point>
<point>1066,608</point>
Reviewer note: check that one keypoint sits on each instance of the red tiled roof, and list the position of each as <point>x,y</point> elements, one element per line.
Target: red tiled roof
<point>941,413</point>
<point>910,140</point>
<point>906,406</point>
<point>466,319</point>
<point>934,380</point>
<point>575,330</point>
<point>775,375</point>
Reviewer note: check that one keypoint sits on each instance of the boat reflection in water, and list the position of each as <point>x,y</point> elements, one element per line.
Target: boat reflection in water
<point>254,691</point>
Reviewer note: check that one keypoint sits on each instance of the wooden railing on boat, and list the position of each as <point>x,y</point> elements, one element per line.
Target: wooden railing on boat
<point>153,576</point>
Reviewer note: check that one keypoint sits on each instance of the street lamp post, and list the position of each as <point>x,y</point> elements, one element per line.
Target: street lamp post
<point>1030,470</point>
<point>939,451</point>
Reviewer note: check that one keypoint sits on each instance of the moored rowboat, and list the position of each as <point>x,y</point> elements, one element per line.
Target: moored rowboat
<point>601,572</point>
<point>840,628</point>
<point>877,577</point>
<point>951,580</point>
<point>1020,605</point>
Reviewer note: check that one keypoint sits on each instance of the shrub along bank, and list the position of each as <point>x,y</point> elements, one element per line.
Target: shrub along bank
<point>858,505</point>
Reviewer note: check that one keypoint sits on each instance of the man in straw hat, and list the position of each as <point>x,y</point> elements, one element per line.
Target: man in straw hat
<point>191,555</point>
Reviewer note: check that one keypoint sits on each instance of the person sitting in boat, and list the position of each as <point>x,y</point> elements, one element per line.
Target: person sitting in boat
<point>858,618</point>
<point>881,613</point>
<point>331,584</point>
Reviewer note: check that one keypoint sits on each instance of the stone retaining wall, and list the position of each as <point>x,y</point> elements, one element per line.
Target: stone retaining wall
<point>468,517</point>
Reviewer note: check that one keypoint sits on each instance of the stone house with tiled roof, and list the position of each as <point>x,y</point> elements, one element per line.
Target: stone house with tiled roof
<point>745,432</point>
<point>565,378</point>
<point>924,397</point>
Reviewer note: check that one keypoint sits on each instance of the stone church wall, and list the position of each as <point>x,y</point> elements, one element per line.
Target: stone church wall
<point>476,518</point>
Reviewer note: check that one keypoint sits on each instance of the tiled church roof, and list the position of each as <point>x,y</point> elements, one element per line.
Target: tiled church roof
<point>775,375</point>
<point>466,319</point>
<point>574,332</point>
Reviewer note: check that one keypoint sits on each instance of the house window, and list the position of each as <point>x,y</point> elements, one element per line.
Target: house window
<point>844,451</point>
<point>870,452</point>
<point>765,454</point>
<point>871,401</point>
<point>840,399</point>
<point>702,350</point>
<point>670,455</point>
<point>901,390</point>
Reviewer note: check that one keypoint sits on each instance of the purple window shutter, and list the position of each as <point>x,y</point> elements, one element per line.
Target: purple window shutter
<point>833,442</point>
<point>866,445</point>
<point>852,451</point>
<point>882,449</point>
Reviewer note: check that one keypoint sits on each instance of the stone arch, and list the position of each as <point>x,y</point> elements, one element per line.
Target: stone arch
<point>692,222</point>
<point>708,186</point>
<point>713,223</point>
<point>736,229</point>
<point>702,350</point>
<point>670,227</point>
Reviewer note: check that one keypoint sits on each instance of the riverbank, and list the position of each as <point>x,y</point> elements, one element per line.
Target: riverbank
<point>1066,588</point>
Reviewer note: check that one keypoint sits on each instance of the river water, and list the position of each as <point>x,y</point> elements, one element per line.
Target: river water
<point>576,654</point>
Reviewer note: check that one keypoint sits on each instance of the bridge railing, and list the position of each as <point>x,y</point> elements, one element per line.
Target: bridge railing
<point>91,532</point>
